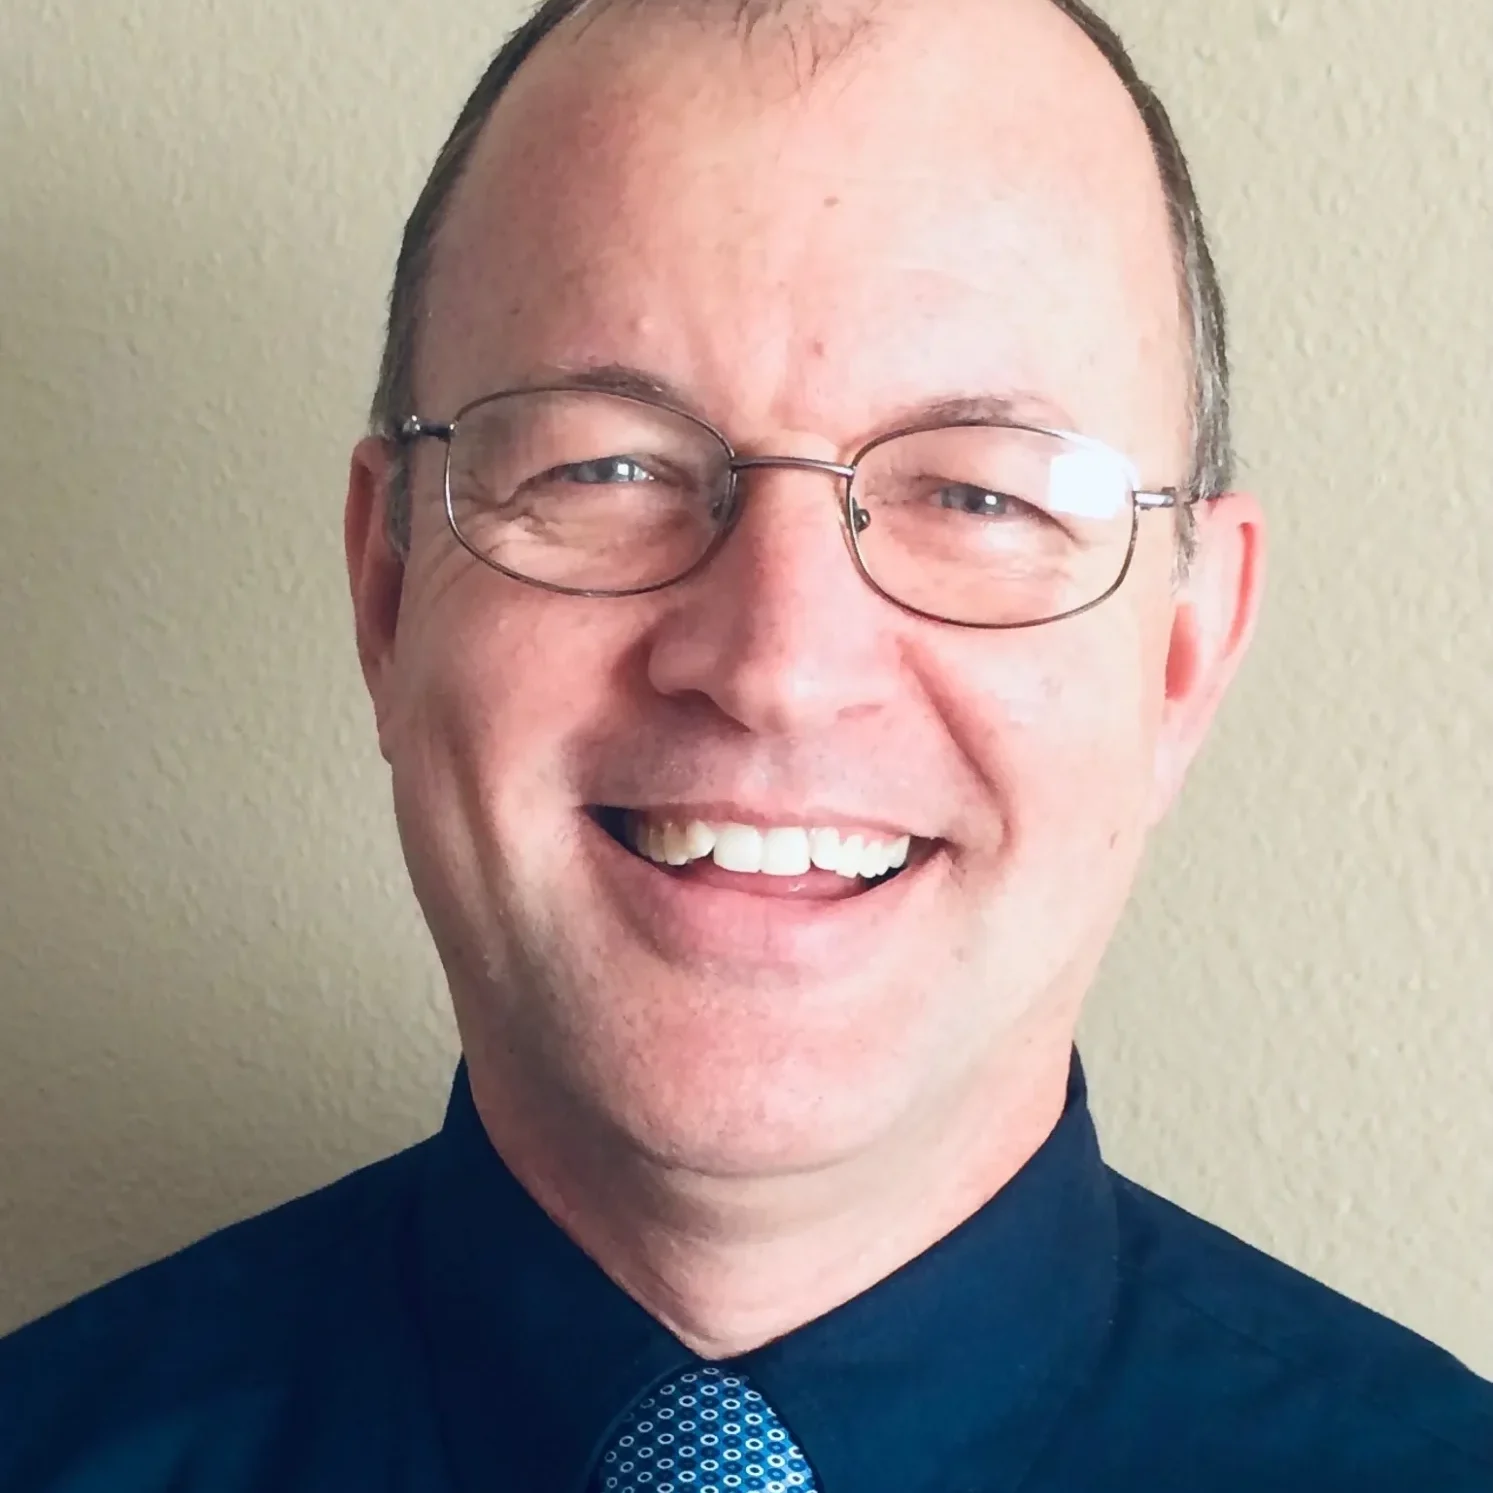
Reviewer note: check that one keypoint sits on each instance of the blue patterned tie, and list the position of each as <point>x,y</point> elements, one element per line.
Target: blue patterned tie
<point>704,1431</point>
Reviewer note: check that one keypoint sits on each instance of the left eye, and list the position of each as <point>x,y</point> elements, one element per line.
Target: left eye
<point>608,469</point>
<point>964,497</point>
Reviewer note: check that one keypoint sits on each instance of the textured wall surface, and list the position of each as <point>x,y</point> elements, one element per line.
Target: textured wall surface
<point>214,988</point>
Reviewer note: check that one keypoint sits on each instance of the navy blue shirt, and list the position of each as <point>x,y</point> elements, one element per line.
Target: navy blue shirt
<point>423,1325</point>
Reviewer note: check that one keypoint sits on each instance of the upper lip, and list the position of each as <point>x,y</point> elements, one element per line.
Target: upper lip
<point>764,816</point>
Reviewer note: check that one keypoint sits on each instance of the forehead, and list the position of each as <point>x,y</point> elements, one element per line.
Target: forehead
<point>812,253</point>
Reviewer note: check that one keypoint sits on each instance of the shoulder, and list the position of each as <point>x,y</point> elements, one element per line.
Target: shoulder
<point>205,1344</point>
<point>1300,1371</point>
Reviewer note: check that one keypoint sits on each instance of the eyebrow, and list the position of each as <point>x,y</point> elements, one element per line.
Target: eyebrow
<point>1022,407</point>
<point>621,378</point>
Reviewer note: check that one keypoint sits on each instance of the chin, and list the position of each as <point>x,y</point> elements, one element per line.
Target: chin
<point>760,1102</point>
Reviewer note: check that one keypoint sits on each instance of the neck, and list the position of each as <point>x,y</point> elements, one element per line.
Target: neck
<point>730,1263</point>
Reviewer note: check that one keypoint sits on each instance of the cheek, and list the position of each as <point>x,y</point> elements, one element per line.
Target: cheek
<point>1061,728</point>
<point>493,678</point>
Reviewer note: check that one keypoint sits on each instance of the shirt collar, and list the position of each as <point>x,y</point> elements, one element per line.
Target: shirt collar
<point>948,1373</point>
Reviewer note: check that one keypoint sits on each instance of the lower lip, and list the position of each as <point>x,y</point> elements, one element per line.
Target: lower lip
<point>775,922</point>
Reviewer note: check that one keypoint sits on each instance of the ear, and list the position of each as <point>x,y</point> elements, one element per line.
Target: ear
<point>375,573</point>
<point>1213,621</point>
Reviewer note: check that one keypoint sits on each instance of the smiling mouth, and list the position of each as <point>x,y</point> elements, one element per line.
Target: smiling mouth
<point>776,861</point>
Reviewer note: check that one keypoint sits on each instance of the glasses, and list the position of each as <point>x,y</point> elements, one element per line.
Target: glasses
<point>591,493</point>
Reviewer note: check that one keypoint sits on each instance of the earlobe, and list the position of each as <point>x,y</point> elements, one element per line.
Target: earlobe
<point>1213,622</point>
<point>375,573</point>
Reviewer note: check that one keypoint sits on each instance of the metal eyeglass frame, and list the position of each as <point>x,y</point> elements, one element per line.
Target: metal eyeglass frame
<point>416,428</point>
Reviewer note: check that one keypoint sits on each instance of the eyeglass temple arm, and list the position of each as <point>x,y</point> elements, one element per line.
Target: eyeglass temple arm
<point>1169,497</point>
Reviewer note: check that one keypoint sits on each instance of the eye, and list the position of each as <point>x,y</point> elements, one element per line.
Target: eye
<point>605,470</point>
<point>965,497</point>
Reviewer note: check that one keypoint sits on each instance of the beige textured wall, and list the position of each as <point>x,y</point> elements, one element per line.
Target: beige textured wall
<point>214,990</point>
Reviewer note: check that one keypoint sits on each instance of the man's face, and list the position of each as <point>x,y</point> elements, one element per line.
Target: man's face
<point>808,262</point>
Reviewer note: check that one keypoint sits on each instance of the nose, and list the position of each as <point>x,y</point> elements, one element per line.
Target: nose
<point>779,631</point>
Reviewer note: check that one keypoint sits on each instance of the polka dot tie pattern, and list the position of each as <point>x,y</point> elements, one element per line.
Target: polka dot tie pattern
<point>705,1431</point>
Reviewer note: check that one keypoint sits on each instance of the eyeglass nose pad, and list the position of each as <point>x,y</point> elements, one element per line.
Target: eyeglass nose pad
<point>860,520</point>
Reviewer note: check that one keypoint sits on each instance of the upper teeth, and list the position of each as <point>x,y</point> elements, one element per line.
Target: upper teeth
<point>787,850</point>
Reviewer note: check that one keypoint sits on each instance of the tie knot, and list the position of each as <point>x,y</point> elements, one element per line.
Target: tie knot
<point>704,1431</point>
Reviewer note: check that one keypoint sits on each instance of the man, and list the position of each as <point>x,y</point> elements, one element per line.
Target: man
<point>794,568</point>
